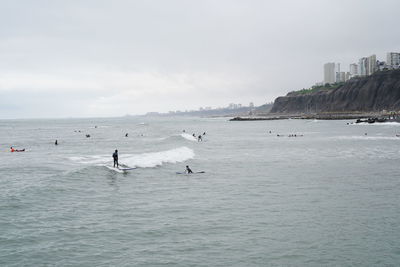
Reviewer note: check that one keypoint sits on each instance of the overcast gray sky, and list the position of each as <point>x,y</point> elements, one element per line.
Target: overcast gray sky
<point>80,58</point>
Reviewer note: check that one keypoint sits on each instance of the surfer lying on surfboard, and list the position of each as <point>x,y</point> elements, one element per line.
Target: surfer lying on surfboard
<point>16,150</point>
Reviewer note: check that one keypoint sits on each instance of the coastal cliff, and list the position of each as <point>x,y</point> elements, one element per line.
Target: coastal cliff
<point>380,91</point>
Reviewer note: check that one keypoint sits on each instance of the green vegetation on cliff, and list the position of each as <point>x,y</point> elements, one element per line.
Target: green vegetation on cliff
<point>316,88</point>
<point>377,92</point>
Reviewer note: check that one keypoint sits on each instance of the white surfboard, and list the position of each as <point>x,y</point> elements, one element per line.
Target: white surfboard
<point>120,170</point>
<point>190,173</point>
<point>114,169</point>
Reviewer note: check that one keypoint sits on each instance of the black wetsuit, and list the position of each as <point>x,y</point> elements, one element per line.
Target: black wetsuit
<point>188,170</point>
<point>115,156</point>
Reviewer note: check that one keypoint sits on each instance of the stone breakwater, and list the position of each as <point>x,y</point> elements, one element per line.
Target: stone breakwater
<point>326,116</point>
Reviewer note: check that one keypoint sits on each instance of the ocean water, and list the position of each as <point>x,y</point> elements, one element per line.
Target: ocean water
<point>328,197</point>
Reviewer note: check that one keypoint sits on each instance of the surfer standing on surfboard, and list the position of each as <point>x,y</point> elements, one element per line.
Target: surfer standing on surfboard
<point>115,157</point>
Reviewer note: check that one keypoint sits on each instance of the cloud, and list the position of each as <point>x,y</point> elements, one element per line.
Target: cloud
<point>113,58</point>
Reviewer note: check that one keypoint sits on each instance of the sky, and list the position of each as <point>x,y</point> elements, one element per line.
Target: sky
<point>94,58</point>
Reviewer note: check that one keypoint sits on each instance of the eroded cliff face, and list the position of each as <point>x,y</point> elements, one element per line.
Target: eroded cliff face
<point>380,91</point>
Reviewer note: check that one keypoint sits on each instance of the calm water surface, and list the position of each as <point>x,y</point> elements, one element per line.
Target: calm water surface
<point>327,198</point>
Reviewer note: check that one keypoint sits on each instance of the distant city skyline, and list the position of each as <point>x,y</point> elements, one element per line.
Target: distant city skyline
<point>366,66</point>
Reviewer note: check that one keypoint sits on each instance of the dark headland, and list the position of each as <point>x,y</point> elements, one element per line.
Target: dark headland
<point>374,96</point>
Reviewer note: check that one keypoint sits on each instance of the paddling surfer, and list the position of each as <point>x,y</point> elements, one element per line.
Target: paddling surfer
<point>188,170</point>
<point>16,150</point>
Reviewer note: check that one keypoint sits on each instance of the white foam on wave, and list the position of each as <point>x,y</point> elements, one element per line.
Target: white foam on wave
<point>153,159</point>
<point>189,137</point>
<point>367,138</point>
<point>144,160</point>
<point>377,123</point>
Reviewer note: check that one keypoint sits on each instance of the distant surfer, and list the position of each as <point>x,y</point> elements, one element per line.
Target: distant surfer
<point>16,150</point>
<point>194,135</point>
<point>126,135</point>
<point>199,138</point>
<point>115,157</point>
<point>56,142</point>
<point>188,170</point>
<point>204,133</point>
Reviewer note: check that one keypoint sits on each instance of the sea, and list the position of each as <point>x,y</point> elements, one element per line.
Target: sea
<point>273,193</point>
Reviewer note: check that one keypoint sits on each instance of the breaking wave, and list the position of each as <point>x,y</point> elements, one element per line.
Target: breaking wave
<point>189,137</point>
<point>390,123</point>
<point>144,160</point>
<point>366,138</point>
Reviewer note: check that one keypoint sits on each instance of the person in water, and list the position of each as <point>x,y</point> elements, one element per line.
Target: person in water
<point>188,170</point>
<point>126,135</point>
<point>199,138</point>
<point>56,142</point>
<point>115,157</point>
<point>16,150</point>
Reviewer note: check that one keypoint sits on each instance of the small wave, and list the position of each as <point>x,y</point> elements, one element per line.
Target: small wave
<point>149,160</point>
<point>189,137</point>
<point>145,160</point>
<point>366,138</point>
<point>378,123</point>
<point>98,159</point>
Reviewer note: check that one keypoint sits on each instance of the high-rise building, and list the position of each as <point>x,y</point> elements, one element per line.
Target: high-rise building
<point>367,65</point>
<point>338,78</point>
<point>329,73</point>
<point>348,76</point>
<point>372,66</point>
<point>353,70</point>
<point>342,76</point>
<point>393,60</point>
<point>363,66</point>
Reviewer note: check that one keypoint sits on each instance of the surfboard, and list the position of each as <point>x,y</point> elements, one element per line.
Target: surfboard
<point>120,170</point>
<point>190,173</point>
<point>114,169</point>
<point>127,169</point>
